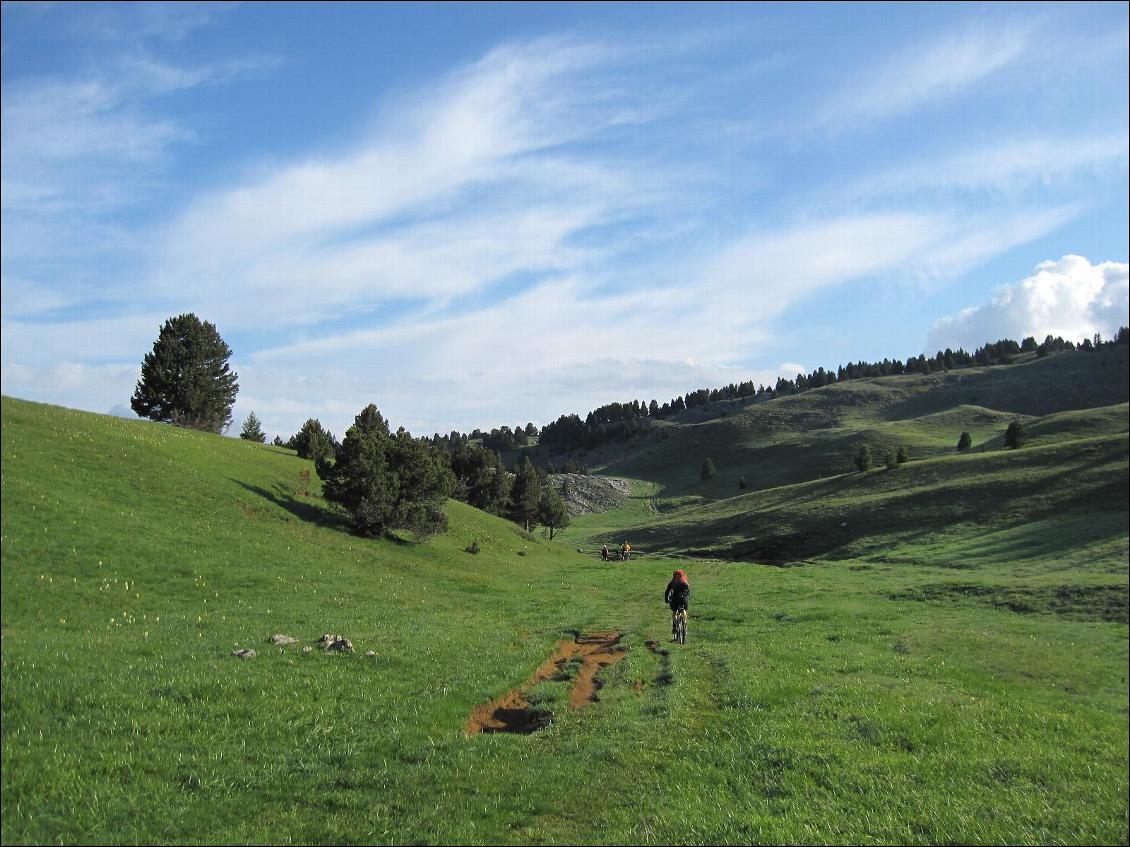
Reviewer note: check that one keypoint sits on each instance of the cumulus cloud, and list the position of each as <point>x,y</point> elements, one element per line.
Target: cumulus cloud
<point>1070,298</point>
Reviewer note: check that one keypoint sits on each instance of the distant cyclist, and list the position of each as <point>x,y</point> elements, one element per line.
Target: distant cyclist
<point>677,595</point>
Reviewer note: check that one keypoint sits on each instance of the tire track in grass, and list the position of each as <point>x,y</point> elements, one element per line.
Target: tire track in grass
<point>513,713</point>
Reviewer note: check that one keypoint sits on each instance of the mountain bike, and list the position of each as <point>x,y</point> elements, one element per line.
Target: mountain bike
<point>679,625</point>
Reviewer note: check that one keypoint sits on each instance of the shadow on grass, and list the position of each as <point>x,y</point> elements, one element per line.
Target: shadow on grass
<point>1079,602</point>
<point>304,511</point>
<point>664,676</point>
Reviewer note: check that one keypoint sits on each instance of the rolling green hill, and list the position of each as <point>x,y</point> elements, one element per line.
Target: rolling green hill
<point>950,666</point>
<point>855,514</point>
<point>798,438</point>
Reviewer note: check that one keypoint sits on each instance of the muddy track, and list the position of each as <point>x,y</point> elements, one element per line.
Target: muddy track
<point>513,713</point>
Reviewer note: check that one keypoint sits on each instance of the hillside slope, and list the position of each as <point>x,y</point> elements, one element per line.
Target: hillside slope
<point>797,438</point>
<point>1081,483</point>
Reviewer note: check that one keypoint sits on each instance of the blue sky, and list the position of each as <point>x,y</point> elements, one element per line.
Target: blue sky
<point>475,215</point>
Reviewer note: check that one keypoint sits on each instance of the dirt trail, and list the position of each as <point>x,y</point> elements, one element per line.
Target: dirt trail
<point>512,712</point>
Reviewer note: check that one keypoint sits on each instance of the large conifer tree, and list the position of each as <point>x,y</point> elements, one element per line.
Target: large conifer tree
<point>386,481</point>
<point>186,380</point>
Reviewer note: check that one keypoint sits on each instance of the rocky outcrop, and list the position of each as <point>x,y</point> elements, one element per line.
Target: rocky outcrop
<point>589,495</point>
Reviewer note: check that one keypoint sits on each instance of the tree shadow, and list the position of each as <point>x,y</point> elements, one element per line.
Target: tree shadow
<point>304,511</point>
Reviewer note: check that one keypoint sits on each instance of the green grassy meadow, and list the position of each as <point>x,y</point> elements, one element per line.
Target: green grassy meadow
<point>949,667</point>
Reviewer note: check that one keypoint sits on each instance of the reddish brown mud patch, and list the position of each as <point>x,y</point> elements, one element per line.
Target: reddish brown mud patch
<point>513,713</point>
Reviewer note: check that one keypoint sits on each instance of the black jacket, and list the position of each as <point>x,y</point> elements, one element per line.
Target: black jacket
<point>677,594</point>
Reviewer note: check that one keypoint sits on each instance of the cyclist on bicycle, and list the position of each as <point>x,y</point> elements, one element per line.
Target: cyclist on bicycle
<point>678,594</point>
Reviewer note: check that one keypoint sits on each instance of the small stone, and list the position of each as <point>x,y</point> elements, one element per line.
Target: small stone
<point>245,653</point>
<point>336,642</point>
<point>369,654</point>
<point>307,649</point>
<point>283,640</point>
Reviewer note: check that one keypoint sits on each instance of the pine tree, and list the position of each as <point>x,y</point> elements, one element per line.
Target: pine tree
<point>863,458</point>
<point>964,442</point>
<point>1014,435</point>
<point>252,429</point>
<point>525,494</point>
<point>903,455</point>
<point>312,441</point>
<point>386,481</point>
<point>707,470</point>
<point>186,380</point>
<point>482,480</point>
<point>551,511</point>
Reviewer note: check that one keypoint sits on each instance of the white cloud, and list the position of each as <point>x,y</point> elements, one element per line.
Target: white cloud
<point>975,238</point>
<point>571,338</point>
<point>1006,166</point>
<point>94,142</point>
<point>77,385</point>
<point>20,299</point>
<point>923,73</point>
<point>483,246</point>
<point>775,269</point>
<point>39,343</point>
<point>465,186</point>
<point>1070,298</point>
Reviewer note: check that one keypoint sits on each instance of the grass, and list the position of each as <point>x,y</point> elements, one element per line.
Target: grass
<point>959,679</point>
